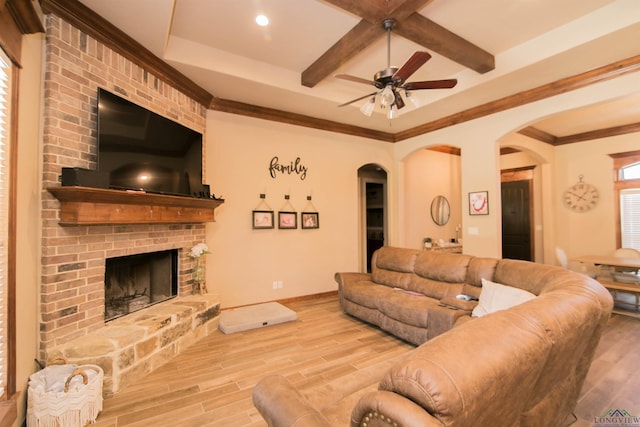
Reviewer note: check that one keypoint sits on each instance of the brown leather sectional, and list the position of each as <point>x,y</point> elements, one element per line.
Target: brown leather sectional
<point>521,366</point>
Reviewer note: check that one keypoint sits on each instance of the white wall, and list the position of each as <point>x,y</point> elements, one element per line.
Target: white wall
<point>244,262</point>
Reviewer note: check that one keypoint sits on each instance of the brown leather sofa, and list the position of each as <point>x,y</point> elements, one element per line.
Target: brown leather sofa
<point>519,366</point>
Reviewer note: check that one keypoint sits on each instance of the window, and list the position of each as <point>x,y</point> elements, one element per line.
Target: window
<point>630,218</point>
<point>5,98</point>
<point>627,188</point>
<point>630,172</point>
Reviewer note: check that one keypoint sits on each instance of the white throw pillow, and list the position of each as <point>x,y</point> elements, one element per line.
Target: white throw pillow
<point>495,297</point>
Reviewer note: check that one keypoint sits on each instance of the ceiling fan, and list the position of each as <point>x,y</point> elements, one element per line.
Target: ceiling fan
<point>391,81</point>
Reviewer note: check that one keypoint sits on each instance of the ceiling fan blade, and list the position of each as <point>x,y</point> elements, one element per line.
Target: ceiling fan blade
<point>431,84</point>
<point>357,99</point>
<point>353,79</point>
<point>416,61</point>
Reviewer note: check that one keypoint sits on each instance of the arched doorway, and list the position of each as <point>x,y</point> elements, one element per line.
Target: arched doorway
<point>432,174</point>
<point>373,211</point>
<point>526,216</point>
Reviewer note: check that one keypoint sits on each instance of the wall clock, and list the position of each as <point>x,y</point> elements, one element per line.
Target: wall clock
<point>581,196</point>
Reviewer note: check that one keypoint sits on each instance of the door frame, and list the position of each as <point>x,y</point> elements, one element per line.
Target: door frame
<point>523,174</point>
<point>363,217</point>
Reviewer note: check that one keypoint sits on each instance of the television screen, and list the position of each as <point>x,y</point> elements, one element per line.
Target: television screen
<point>141,150</point>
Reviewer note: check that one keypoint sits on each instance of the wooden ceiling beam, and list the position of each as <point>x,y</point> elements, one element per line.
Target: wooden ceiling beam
<point>409,24</point>
<point>359,37</point>
<point>351,44</point>
<point>376,12</point>
<point>427,33</point>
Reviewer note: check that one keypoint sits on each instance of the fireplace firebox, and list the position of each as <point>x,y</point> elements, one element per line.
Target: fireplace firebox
<point>137,281</point>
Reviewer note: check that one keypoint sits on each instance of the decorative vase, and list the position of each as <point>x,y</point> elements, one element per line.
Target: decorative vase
<point>198,277</point>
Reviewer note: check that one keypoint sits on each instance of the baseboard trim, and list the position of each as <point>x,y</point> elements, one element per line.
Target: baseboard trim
<point>290,300</point>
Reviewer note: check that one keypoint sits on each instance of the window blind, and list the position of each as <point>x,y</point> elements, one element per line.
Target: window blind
<point>5,98</point>
<point>630,218</point>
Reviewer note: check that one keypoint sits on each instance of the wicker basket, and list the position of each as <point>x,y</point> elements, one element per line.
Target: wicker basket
<point>64,396</point>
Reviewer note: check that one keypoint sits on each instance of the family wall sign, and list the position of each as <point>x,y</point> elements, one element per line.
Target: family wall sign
<point>294,167</point>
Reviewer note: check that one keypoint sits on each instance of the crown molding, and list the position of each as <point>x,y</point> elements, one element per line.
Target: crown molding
<point>250,110</point>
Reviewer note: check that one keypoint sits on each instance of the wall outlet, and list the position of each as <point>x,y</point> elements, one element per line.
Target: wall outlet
<point>278,284</point>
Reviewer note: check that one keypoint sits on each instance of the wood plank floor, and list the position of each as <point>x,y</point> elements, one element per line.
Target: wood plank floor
<point>211,383</point>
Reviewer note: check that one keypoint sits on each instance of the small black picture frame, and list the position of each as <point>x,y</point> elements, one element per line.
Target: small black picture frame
<point>309,220</point>
<point>287,220</point>
<point>262,219</point>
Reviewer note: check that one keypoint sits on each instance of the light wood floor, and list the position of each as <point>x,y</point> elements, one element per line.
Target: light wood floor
<point>211,383</point>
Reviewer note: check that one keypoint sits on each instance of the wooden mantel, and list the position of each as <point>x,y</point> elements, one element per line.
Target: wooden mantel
<point>98,206</point>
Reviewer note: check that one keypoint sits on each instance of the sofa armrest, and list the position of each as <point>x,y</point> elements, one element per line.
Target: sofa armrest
<point>384,408</point>
<point>281,405</point>
<point>343,278</point>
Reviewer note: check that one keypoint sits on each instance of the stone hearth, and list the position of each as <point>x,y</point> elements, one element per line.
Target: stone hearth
<point>132,346</point>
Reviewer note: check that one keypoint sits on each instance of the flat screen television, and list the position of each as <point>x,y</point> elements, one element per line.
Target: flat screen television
<point>141,150</point>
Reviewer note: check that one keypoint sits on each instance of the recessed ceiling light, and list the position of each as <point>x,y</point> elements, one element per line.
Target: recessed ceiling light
<point>262,20</point>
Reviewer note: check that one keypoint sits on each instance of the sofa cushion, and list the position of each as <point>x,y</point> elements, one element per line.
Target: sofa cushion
<point>434,288</point>
<point>395,259</point>
<point>480,268</point>
<point>445,267</point>
<point>406,308</point>
<point>495,297</point>
<point>393,266</point>
<point>365,293</point>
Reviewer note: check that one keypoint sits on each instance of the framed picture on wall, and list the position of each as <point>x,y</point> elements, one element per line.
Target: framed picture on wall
<point>262,219</point>
<point>479,203</point>
<point>309,220</point>
<point>287,220</point>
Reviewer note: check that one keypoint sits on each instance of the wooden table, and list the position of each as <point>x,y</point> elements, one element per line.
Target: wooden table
<point>609,260</point>
<point>616,287</point>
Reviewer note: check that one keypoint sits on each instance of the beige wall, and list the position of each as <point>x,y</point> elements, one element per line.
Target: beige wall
<point>244,262</point>
<point>592,232</point>
<point>480,140</point>
<point>28,210</point>
<point>428,174</point>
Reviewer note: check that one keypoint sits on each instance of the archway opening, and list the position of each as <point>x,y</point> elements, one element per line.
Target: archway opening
<point>373,211</point>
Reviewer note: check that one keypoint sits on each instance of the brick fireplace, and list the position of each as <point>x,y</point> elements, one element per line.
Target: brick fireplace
<point>72,295</point>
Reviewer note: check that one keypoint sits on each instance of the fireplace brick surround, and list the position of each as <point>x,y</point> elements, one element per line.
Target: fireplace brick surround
<point>73,257</point>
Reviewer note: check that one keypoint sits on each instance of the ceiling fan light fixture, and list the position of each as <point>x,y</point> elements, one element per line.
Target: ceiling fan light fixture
<point>367,107</point>
<point>414,101</point>
<point>387,97</point>
<point>262,20</point>
<point>392,113</point>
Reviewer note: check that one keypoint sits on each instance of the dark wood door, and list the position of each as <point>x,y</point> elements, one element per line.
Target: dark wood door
<point>516,220</point>
<point>375,219</point>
